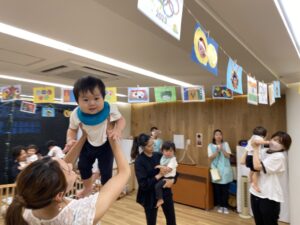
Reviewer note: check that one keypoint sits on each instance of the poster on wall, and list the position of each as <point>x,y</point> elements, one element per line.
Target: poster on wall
<point>277,93</point>
<point>43,94</point>
<point>252,96</point>
<point>68,96</point>
<point>111,94</point>
<point>199,140</point>
<point>10,93</point>
<point>221,92</point>
<point>48,111</point>
<point>166,14</point>
<point>205,50</point>
<point>234,77</point>
<point>262,93</point>
<point>193,94</point>
<point>165,94</point>
<point>138,94</point>
<point>271,94</point>
<point>178,140</point>
<point>28,107</point>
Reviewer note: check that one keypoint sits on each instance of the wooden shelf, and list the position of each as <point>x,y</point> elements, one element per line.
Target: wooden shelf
<point>193,187</point>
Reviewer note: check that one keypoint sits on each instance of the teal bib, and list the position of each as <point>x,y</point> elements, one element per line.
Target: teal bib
<point>94,119</point>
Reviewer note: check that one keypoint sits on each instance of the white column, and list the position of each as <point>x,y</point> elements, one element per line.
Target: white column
<point>293,128</point>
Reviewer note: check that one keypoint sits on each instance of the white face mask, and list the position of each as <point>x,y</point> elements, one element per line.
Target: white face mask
<point>275,146</point>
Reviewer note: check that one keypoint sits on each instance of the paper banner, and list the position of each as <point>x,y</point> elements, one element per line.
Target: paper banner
<point>205,50</point>
<point>221,92</point>
<point>138,94</point>
<point>193,94</point>
<point>277,93</point>
<point>48,112</point>
<point>252,95</point>
<point>111,94</point>
<point>67,96</point>
<point>10,93</point>
<point>271,94</point>
<point>234,77</point>
<point>43,94</point>
<point>28,107</point>
<point>166,14</point>
<point>262,93</point>
<point>165,94</point>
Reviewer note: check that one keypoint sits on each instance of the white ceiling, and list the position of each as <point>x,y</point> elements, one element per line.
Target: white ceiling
<point>250,31</point>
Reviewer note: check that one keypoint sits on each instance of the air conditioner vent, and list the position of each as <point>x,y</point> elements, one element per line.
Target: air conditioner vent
<point>54,68</point>
<point>101,71</point>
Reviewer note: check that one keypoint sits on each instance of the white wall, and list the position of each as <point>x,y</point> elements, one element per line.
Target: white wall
<point>125,110</point>
<point>293,128</point>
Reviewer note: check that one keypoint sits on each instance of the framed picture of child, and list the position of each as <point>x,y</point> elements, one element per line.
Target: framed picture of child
<point>199,140</point>
<point>28,107</point>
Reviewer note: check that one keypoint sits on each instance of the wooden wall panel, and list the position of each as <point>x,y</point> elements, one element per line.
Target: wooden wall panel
<point>235,118</point>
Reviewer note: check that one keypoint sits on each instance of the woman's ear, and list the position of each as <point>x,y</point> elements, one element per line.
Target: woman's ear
<point>59,197</point>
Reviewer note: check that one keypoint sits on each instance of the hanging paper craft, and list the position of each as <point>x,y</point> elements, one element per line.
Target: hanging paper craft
<point>193,94</point>
<point>28,107</point>
<point>205,50</point>
<point>138,94</point>
<point>221,92</point>
<point>111,94</point>
<point>234,77</point>
<point>166,14</point>
<point>165,94</point>
<point>67,96</point>
<point>48,111</point>
<point>252,91</point>
<point>67,113</point>
<point>277,93</point>
<point>262,93</point>
<point>271,94</point>
<point>10,93</point>
<point>43,95</point>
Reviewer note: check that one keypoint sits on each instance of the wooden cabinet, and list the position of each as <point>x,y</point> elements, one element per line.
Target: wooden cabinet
<point>193,187</point>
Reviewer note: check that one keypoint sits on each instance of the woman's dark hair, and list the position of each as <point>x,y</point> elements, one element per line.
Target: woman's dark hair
<point>16,151</point>
<point>86,84</point>
<point>153,128</point>
<point>260,131</point>
<point>51,143</point>
<point>285,139</point>
<point>167,145</point>
<point>140,141</point>
<point>37,185</point>
<point>215,131</point>
<point>33,147</point>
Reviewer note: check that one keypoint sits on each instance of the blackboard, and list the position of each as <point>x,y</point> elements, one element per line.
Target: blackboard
<point>26,128</point>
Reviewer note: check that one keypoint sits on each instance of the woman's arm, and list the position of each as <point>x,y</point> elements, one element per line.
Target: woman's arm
<point>74,152</point>
<point>213,155</point>
<point>225,149</point>
<point>112,189</point>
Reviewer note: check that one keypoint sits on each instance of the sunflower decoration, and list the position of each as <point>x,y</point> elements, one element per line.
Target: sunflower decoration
<point>200,46</point>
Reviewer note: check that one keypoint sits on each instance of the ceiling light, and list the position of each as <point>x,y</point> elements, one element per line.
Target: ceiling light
<point>289,12</point>
<point>8,77</point>
<point>42,40</point>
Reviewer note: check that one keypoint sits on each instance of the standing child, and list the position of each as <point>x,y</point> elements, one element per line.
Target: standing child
<point>169,160</point>
<point>256,141</point>
<point>93,113</point>
<point>54,150</point>
<point>19,156</point>
<point>32,153</point>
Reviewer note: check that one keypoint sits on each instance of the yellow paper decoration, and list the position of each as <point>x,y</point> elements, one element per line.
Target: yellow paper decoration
<point>111,94</point>
<point>43,94</point>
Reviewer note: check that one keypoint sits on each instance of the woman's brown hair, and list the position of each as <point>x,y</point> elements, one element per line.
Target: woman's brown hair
<point>37,185</point>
